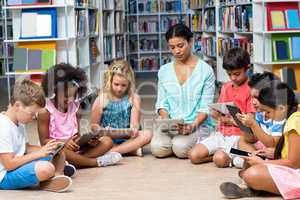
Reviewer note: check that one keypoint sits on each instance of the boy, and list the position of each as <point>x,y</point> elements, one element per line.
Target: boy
<point>23,165</point>
<point>216,147</point>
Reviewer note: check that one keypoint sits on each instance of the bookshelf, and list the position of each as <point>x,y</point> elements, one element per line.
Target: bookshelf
<point>147,22</point>
<point>219,26</point>
<point>276,36</point>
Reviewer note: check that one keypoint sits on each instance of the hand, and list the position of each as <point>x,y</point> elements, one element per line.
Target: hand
<point>48,148</point>
<point>134,133</point>
<point>253,160</point>
<point>227,120</point>
<point>267,152</point>
<point>94,142</point>
<point>185,129</point>
<point>71,144</point>
<point>247,119</point>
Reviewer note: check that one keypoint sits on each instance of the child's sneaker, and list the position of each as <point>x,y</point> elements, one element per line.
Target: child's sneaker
<point>110,158</point>
<point>233,191</point>
<point>70,170</point>
<point>139,152</point>
<point>238,162</point>
<point>57,184</point>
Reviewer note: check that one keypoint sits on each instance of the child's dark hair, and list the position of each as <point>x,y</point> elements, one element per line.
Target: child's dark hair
<point>279,94</point>
<point>63,74</point>
<point>262,80</point>
<point>236,58</point>
<point>179,30</point>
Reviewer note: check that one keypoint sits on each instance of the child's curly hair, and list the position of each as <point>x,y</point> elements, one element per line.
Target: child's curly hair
<point>122,68</point>
<point>63,74</point>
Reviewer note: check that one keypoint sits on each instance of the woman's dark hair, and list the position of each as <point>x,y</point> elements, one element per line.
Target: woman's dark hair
<point>179,30</point>
<point>236,58</point>
<point>262,80</point>
<point>63,74</point>
<point>278,94</point>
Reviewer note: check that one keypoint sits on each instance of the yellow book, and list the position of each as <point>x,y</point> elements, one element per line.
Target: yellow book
<point>277,18</point>
<point>37,45</point>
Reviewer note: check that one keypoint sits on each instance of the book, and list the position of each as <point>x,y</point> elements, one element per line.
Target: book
<point>295,47</point>
<point>34,59</point>
<point>292,18</point>
<point>48,58</point>
<point>288,76</point>
<point>277,19</point>
<point>280,50</point>
<point>14,2</point>
<point>20,59</point>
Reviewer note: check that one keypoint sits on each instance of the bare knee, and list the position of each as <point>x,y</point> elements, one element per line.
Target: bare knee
<point>221,159</point>
<point>44,170</point>
<point>146,136</point>
<point>106,142</point>
<point>251,175</point>
<point>197,153</point>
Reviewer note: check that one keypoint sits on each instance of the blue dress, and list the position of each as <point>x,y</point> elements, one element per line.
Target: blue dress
<point>117,115</point>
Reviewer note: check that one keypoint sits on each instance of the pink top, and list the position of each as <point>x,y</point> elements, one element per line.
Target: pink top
<point>241,98</point>
<point>62,125</point>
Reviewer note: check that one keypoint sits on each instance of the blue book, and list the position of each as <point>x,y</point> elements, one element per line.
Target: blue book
<point>292,18</point>
<point>28,2</point>
<point>14,2</point>
<point>281,50</point>
<point>295,47</point>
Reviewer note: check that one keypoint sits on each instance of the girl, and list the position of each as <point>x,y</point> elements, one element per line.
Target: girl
<point>59,120</point>
<point>118,106</point>
<point>280,176</point>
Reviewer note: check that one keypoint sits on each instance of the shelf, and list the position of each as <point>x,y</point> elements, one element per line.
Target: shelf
<point>172,13</point>
<point>107,10</point>
<point>209,7</point>
<point>37,40</point>
<point>236,32</point>
<point>36,6</point>
<point>25,73</point>
<point>277,63</point>
<point>145,33</point>
<point>276,32</point>
<point>145,52</point>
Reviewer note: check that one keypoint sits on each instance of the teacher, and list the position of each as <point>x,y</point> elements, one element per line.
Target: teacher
<point>185,88</point>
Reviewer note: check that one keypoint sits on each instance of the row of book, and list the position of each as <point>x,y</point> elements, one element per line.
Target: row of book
<point>113,4</point>
<point>197,22</point>
<point>283,16</point>
<point>108,48</point>
<point>233,2</point>
<point>93,21</point>
<point>224,44</point>
<point>209,46</point>
<point>86,3</point>
<point>28,2</point>
<point>197,44</point>
<point>155,6</point>
<point>10,50</point>
<point>108,23</point>
<point>147,44</point>
<point>35,56</point>
<point>194,4</point>
<point>81,23</point>
<point>119,22</point>
<point>167,22</point>
<point>120,46</point>
<point>146,26</point>
<point>209,20</point>
<point>286,47</point>
<point>172,6</point>
<point>94,50</point>
<point>236,18</point>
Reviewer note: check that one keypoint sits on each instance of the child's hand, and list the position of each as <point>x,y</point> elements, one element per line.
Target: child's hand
<point>267,152</point>
<point>72,143</point>
<point>227,120</point>
<point>247,119</point>
<point>94,142</point>
<point>134,133</point>
<point>48,148</point>
<point>253,160</point>
<point>185,129</point>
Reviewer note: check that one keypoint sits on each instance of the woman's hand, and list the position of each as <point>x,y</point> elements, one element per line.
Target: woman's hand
<point>247,119</point>
<point>71,144</point>
<point>185,129</point>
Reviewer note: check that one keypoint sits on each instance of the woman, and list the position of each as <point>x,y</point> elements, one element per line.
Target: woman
<point>185,88</point>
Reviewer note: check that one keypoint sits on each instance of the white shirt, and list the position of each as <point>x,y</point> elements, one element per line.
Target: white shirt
<point>12,140</point>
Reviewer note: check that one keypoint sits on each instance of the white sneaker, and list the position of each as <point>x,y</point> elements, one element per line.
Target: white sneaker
<point>57,184</point>
<point>110,158</point>
<point>139,152</point>
<point>238,162</point>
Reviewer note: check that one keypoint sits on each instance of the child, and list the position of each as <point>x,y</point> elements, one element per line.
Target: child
<point>236,63</point>
<point>267,131</point>
<point>280,176</point>
<point>63,85</point>
<point>118,106</point>
<point>23,165</point>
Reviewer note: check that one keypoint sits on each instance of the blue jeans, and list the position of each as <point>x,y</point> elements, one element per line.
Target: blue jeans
<point>22,177</point>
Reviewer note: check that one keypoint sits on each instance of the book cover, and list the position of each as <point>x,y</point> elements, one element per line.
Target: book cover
<point>20,59</point>
<point>48,59</point>
<point>34,59</point>
<point>292,18</point>
<point>14,2</point>
<point>295,47</point>
<point>288,76</point>
<point>277,18</point>
<point>281,50</point>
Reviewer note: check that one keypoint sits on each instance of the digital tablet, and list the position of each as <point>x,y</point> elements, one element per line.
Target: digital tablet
<point>59,147</point>
<point>244,153</point>
<point>233,110</point>
<point>168,125</point>
<point>221,107</point>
